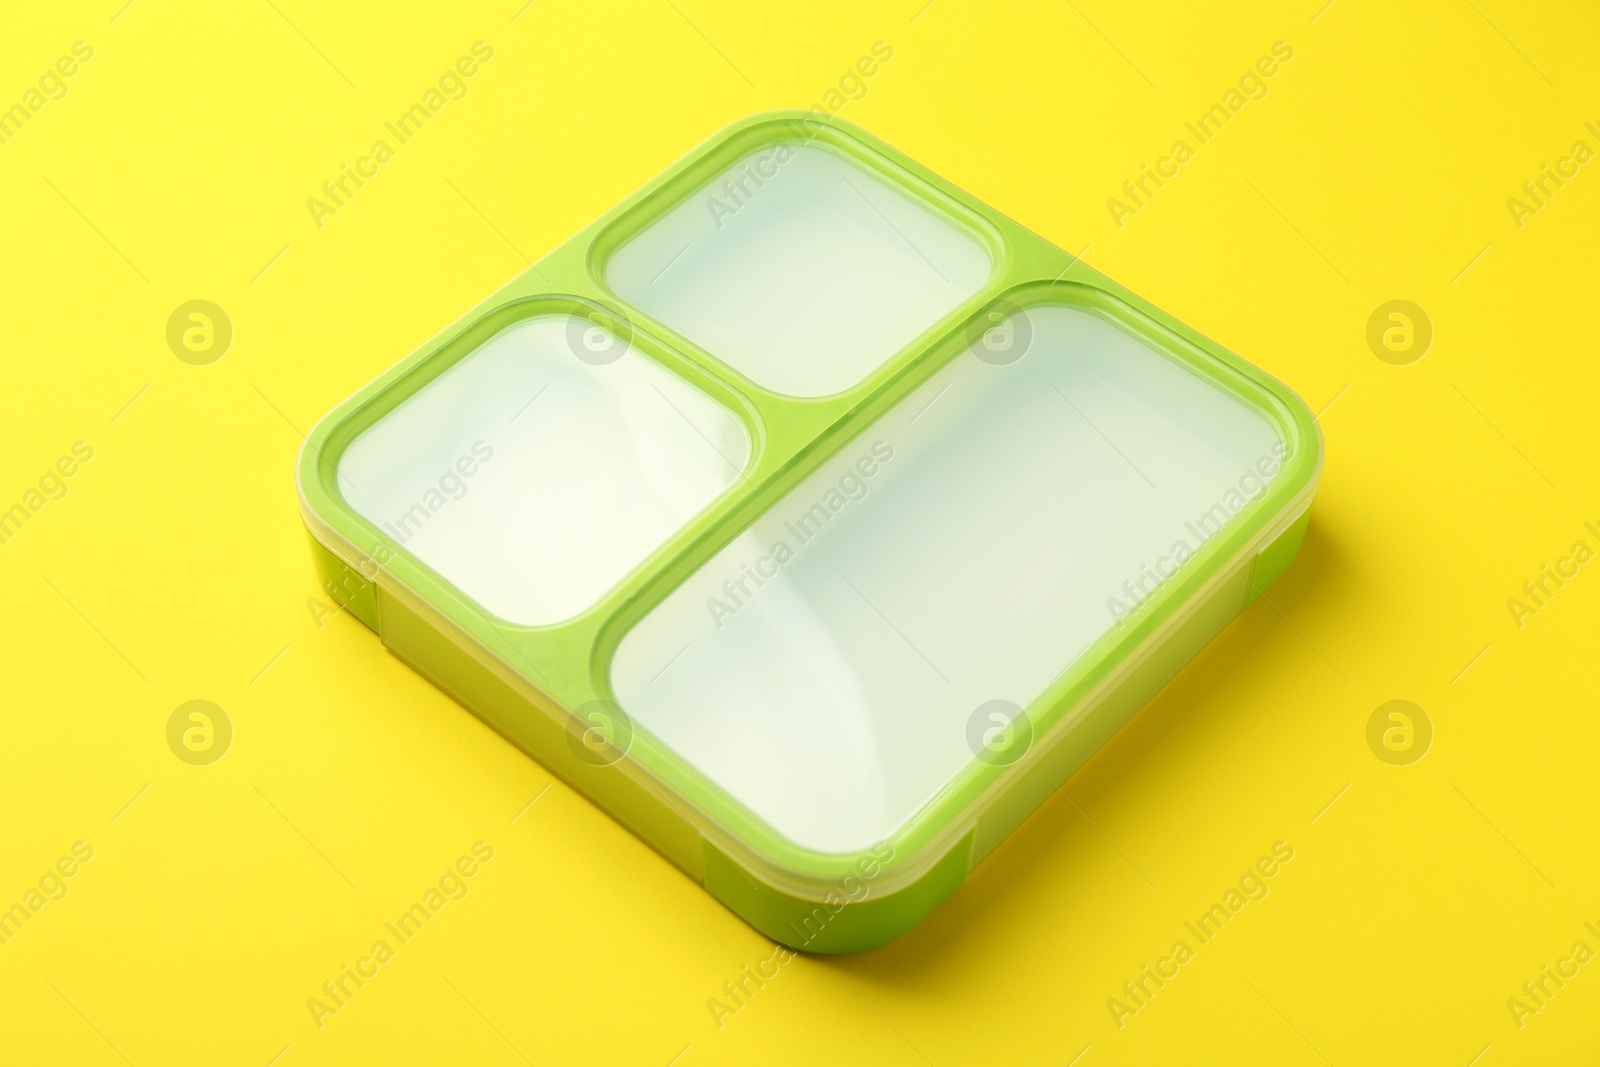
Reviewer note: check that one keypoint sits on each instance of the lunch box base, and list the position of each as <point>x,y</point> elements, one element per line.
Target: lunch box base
<point>851,917</point>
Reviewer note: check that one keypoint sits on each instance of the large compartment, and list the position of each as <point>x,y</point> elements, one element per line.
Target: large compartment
<point>837,664</point>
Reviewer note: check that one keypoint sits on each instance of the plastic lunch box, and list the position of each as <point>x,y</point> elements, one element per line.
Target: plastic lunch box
<point>811,517</point>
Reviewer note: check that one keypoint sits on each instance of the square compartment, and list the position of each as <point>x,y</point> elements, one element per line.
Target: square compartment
<point>534,480</point>
<point>829,668</point>
<point>799,269</point>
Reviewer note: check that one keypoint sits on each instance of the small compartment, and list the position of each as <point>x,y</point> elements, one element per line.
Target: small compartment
<point>799,268</point>
<point>829,667</point>
<point>543,466</point>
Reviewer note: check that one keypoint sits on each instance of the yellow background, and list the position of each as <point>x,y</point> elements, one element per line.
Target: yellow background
<point>176,568</point>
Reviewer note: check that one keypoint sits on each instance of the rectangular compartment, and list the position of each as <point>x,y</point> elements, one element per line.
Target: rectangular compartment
<point>843,659</point>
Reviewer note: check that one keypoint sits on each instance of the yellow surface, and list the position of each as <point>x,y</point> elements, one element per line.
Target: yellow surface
<point>219,898</point>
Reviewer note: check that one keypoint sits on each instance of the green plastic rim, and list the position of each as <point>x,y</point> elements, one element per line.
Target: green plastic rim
<point>563,666</point>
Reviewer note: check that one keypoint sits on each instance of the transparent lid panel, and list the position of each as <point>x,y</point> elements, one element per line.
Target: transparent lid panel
<point>534,480</point>
<point>830,667</point>
<point>799,269</point>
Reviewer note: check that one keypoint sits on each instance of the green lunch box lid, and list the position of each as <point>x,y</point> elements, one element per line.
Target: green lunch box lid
<point>811,517</point>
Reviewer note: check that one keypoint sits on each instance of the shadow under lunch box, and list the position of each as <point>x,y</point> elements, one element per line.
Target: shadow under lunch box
<point>811,517</point>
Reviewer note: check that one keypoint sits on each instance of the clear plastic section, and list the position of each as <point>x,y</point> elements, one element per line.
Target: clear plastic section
<point>534,480</point>
<point>799,269</point>
<point>830,669</point>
